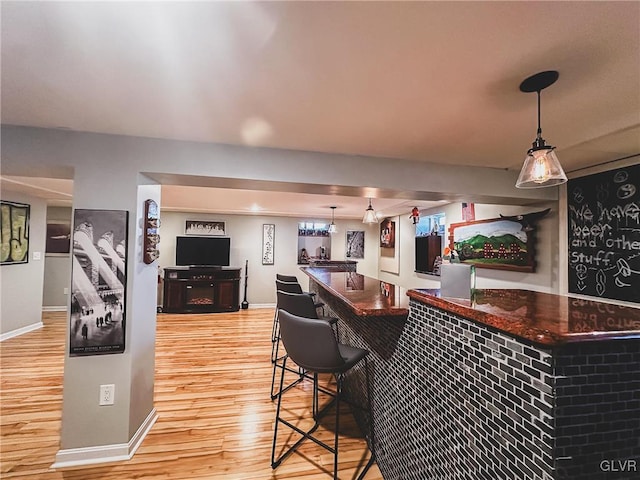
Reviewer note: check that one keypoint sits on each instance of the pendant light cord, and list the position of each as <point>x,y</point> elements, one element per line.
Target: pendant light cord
<point>539,129</point>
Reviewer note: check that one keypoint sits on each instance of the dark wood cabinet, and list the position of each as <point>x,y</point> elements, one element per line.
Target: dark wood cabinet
<point>427,249</point>
<point>201,290</point>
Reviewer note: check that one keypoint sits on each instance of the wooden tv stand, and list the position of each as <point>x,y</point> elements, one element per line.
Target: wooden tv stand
<point>201,290</point>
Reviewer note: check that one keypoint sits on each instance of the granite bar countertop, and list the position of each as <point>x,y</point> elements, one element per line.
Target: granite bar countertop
<point>319,262</point>
<point>541,318</point>
<point>364,296</point>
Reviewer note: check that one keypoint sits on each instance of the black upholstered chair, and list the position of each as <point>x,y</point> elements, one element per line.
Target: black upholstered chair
<point>291,279</point>
<point>297,304</point>
<point>291,287</point>
<point>286,278</point>
<point>312,345</point>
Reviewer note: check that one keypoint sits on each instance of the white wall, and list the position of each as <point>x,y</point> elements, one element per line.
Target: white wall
<point>245,232</point>
<point>544,279</point>
<point>246,243</point>
<point>21,297</point>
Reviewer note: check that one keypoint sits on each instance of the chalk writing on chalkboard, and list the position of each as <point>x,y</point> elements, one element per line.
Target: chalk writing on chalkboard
<point>604,234</point>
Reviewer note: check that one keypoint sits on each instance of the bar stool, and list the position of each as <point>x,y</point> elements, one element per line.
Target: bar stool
<point>291,287</point>
<point>286,278</point>
<point>311,344</point>
<point>301,305</point>
<point>291,279</point>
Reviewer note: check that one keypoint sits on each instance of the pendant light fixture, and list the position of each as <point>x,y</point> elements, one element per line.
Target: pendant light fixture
<point>332,227</point>
<point>541,167</point>
<point>370,215</point>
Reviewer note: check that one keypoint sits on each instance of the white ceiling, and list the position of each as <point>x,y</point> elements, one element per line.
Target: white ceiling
<point>427,81</point>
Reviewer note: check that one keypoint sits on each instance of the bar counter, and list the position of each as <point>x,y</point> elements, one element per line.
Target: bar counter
<point>541,318</point>
<point>334,265</point>
<point>363,296</point>
<point>518,385</point>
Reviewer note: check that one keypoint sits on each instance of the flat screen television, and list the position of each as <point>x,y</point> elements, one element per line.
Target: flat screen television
<point>206,251</point>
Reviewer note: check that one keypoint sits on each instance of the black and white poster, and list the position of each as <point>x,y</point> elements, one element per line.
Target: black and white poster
<point>98,282</point>
<point>604,234</point>
<point>355,244</point>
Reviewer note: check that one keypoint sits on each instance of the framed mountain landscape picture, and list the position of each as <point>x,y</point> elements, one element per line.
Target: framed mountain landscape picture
<point>494,243</point>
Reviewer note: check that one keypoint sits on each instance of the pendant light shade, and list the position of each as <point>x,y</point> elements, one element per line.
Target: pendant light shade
<point>370,215</point>
<point>541,167</point>
<point>332,227</point>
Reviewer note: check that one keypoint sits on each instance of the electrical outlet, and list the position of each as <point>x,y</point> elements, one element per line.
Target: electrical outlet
<point>107,394</point>
<point>65,291</point>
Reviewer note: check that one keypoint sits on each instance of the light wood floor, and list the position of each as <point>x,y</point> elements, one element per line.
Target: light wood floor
<point>212,396</point>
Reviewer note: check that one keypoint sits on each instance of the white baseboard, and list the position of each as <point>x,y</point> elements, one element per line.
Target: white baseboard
<point>60,308</point>
<point>76,457</point>
<point>21,331</point>
<point>262,305</point>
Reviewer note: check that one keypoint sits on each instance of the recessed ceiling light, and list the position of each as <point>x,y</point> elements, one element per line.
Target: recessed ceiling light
<point>256,131</point>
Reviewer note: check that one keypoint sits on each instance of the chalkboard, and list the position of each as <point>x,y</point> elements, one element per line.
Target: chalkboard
<point>604,234</point>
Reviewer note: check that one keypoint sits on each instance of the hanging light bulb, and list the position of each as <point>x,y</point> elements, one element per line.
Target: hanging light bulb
<point>332,227</point>
<point>370,215</point>
<point>541,167</point>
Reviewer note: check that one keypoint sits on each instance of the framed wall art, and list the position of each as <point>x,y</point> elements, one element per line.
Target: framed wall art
<point>498,243</point>
<point>14,236</point>
<point>355,244</point>
<point>388,233</point>
<point>268,243</point>
<point>199,227</point>
<point>98,282</point>
<point>58,238</point>
<point>150,231</point>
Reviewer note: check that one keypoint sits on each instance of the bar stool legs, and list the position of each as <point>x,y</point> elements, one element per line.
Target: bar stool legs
<point>275,337</point>
<point>371,442</point>
<point>275,359</point>
<point>317,415</point>
<point>275,324</point>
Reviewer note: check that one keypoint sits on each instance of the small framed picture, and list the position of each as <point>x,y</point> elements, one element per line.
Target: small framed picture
<point>388,233</point>
<point>199,227</point>
<point>58,238</point>
<point>268,243</point>
<point>15,232</point>
<point>355,244</point>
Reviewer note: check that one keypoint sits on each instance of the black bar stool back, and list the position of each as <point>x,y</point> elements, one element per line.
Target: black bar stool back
<point>291,287</point>
<point>292,279</point>
<point>301,305</point>
<point>311,344</point>
<point>286,278</point>
<point>281,285</point>
<point>297,304</point>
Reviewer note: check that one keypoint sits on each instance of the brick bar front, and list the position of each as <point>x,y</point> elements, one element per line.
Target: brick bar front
<point>494,391</point>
